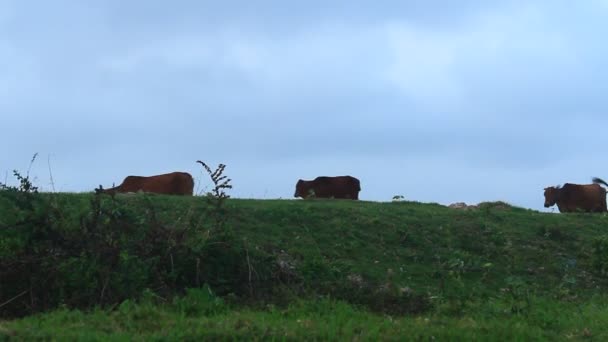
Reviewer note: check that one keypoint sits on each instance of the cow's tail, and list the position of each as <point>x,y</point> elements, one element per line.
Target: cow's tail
<point>598,181</point>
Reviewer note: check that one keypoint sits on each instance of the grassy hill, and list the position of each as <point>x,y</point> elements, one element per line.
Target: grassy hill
<point>494,270</point>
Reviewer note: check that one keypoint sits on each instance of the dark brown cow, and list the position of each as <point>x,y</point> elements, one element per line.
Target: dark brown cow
<point>174,183</point>
<point>575,197</point>
<point>327,187</point>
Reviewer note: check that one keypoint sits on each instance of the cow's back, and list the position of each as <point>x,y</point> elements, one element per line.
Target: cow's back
<point>347,187</point>
<point>588,197</point>
<point>132,184</point>
<point>175,183</point>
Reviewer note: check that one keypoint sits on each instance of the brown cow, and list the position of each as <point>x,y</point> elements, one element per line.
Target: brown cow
<point>327,187</point>
<point>174,183</point>
<point>573,197</point>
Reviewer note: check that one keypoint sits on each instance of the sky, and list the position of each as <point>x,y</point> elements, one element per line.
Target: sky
<point>436,101</point>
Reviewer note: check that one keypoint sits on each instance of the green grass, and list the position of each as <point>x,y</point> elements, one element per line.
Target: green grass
<point>427,247</point>
<point>497,273</point>
<point>325,320</point>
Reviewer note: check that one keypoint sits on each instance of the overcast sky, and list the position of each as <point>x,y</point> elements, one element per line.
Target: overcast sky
<point>438,101</point>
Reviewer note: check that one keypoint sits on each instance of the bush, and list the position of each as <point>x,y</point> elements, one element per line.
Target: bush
<point>118,251</point>
<point>199,302</point>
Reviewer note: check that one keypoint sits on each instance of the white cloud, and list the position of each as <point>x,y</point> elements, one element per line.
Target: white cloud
<point>425,65</point>
<point>19,76</point>
<point>422,65</point>
<point>7,11</point>
<point>602,3</point>
<point>440,68</point>
<point>294,63</point>
<point>177,52</point>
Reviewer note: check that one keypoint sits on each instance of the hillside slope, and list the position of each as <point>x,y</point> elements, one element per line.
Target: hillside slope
<point>392,257</point>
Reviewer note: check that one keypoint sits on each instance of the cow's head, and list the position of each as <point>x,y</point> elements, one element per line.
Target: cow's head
<point>101,190</point>
<point>303,189</point>
<point>551,196</point>
<point>299,189</point>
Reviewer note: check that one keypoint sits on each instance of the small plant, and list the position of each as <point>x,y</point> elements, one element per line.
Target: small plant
<point>199,301</point>
<point>220,182</point>
<point>518,295</point>
<point>25,184</point>
<point>217,196</point>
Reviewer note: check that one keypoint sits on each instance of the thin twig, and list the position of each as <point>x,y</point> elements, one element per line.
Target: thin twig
<point>198,272</point>
<point>103,290</point>
<point>12,299</point>
<point>172,266</point>
<point>31,163</point>
<point>249,268</point>
<point>48,161</point>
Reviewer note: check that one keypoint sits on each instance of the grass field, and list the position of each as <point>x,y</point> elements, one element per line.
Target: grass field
<point>359,270</point>
<point>313,320</point>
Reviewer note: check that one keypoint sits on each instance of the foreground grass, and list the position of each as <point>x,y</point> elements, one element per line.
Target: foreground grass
<point>312,320</point>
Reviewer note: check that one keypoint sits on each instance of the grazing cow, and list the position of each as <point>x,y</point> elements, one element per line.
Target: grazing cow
<point>573,197</point>
<point>327,187</point>
<point>174,183</point>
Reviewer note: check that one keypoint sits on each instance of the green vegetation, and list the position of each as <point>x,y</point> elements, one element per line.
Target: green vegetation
<point>198,316</point>
<point>146,266</point>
